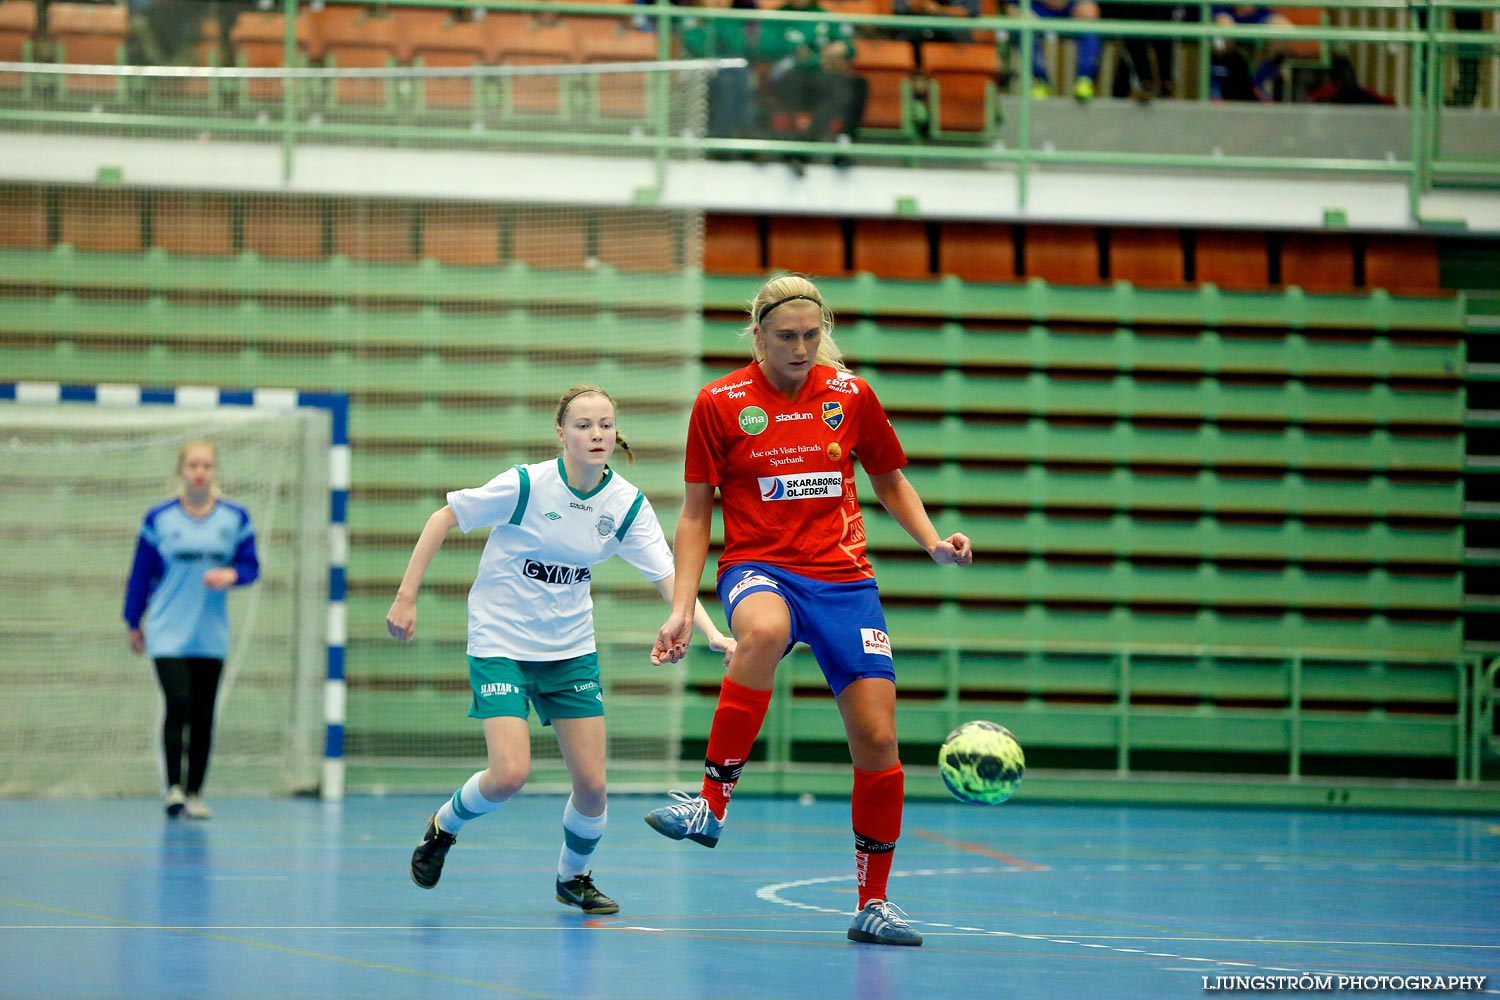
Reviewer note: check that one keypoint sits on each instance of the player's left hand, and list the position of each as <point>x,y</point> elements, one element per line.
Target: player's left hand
<point>954,550</point>
<point>672,641</point>
<point>220,578</point>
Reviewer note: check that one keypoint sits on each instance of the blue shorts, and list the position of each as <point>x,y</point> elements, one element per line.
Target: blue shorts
<point>1041,9</point>
<point>842,622</point>
<point>1260,15</point>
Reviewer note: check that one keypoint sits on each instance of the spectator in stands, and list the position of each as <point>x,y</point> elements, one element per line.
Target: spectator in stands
<point>164,32</point>
<point>778,440</point>
<point>731,112</point>
<point>955,9</point>
<point>1089,47</point>
<point>1145,68</point>
<point>1232,77</point>
<point>1343,87</point>
<point>1466,91</point>
<point>808,68</point>
<point>190,551</point>
<point>531,627</point>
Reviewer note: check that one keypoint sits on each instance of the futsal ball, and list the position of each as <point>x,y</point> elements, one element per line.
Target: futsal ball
<point>981,762</point>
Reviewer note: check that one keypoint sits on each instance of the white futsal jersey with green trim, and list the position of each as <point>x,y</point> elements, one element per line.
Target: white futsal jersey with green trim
<point>530,600</point>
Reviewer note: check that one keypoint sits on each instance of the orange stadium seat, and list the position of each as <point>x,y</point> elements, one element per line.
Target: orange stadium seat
<point>461,235</point>
<point>1147,258</point>
<point>192,223</point>
<point>89,34</point>
<point>1310,49</point>
<point>893,248</point>
<point>553,239</point>
<point>258,41</point>
<point>809,244</point>
<point>1062,255</point>
<point>289,228</point>
<point>731,245</point>
<point>449,44</point>
<point>1318,262</point>
<point>347,42</point>
<point>981,252</point>
<point>888,67</point>
<point>962,92</point>
<point>1402,265</point>
<point>637,241</point>
<point>106,220</point>
<point>17,40</point>
<point>619,95</point>
<point>376,232</point>
<point>23,217</point>
<point>535,44</point>
<point>1233,260</point>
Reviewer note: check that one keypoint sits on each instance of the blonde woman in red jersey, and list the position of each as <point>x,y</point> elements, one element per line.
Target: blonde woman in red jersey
<point>777,439</point>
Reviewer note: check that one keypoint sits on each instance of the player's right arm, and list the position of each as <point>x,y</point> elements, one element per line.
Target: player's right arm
<point>689,555</point>
<point>145,573</point>
<point>401,620</point>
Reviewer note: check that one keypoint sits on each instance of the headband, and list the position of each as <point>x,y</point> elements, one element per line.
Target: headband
<point>781,302</point>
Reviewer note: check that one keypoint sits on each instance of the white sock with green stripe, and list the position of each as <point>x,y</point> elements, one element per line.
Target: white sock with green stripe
<point>466,804</point>
<point>580,836</point>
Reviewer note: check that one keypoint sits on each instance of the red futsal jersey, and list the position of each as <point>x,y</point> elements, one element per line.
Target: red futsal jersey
<point>785,470</point>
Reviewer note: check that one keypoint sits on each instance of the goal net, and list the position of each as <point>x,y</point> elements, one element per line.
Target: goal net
<point>452,244</point>
<point>82,713</point>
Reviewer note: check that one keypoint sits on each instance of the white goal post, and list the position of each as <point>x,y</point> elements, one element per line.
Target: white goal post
<point>83,463</point>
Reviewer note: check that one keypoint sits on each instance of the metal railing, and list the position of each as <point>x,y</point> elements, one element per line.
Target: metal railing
<point>1421,163</point>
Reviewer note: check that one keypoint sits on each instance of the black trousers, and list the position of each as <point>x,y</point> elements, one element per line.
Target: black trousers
<point>190,686</point>
<point>1469,56</point>
<point>1147,60</point>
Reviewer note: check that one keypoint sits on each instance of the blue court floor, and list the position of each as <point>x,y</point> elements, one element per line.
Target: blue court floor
<point>289,899</point>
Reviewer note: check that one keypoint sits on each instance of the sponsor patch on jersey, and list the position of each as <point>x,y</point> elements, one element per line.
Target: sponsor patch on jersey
<point>804,486</point>
<point>753,580</point>
<point>875,641</point>
<point>753,420</point>
<point>564,576</point>
<point>833,414</point>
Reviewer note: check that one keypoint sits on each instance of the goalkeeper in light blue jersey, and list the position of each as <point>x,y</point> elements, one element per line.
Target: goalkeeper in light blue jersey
<point>191,550</point>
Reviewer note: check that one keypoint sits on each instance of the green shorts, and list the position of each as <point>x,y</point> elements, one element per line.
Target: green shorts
<point>560,689</point>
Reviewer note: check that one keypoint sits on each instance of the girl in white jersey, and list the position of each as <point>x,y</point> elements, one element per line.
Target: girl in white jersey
<point>531,628</point>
